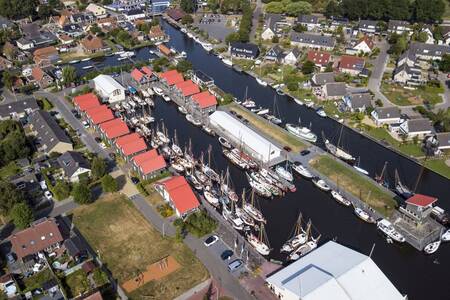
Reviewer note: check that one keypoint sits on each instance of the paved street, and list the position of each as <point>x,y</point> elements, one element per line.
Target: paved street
<point>256,13</point>
<point>379,65</point>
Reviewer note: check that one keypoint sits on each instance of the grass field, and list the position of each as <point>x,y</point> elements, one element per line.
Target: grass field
<point>9,170</point>
<point>353,182</point>
<point>404,97</point>
<point>128,244</point>
<point>438,166</point>
<point>271,130</point>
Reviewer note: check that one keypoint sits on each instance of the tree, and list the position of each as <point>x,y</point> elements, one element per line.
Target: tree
<point>444,64</point>
<point>300,28</point>
<point>14,9</point>
<point>292,85</point>
<point>81,194</point>
<point>400,45</point>
<point>109,184</point>
<point>428,11</point>
<point>332,9</point>
<point>98,168</point>
<point>69,75</point>
<point>22,215</point>
<point>9,196</point>
<point>96,30</point>
<point>213,5</point>
<point>184,66</point>
<point>187,6</point>
<point>275,39</point>
<point>297,8</point>
<point>308,67</point>
<point>44,11</point>
<point>8,80</point>
<point>187,20</point>
<point>275,8</point>
<point>61,190</point>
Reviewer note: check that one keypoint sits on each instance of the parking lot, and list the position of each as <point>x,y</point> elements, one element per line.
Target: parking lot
<point>217,26</point>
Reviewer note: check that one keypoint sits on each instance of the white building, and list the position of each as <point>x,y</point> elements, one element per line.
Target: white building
<point>333,272</point>
<point>97,10</point>
<point>252,143</point>
<point>109,88</point>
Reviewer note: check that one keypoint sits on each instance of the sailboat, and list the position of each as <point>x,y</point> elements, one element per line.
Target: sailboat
<point>207,170</point>
<point>248,102</point>
<point>225,187</point>
<point>363,215</point>
<point>380,179</point>
<point>252,210</point>
<point>175,148</point>
<point>275,117</point>
<point>300,169</point>
<point>339,198</point>
<point>232,218</point>
<point>336,150</point>
<point>358,168</point>
<point>261,242</point>
<point>401,189</point>
<point>306,247</point>
<point>241,213</point>
<point>298,238</point>
<point>284,172</point>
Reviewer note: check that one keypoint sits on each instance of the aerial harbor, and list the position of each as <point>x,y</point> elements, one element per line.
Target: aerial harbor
<point>240,149</point>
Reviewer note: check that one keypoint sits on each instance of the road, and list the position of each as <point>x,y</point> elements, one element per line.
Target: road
<point>256,13</point>
<point>379,65</point>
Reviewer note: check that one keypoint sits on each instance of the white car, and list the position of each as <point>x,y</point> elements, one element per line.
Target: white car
<point>43,185</point>
<point>102,145</point>
<point>48,195</point>
<point>211,240</point>
<point>85,124</point>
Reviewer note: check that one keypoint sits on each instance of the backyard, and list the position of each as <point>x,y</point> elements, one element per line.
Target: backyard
<point>128,245</point>
<point>76,283</point>
<point>404,97</point>
<point>356,184</point>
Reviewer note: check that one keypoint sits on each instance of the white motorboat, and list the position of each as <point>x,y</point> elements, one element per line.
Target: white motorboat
<point>249,103</point>
<point>166,98</point>
<point>432,247</point>
<point>87,67</point>
<point>275,120</point>
<point>197,122</point>
<point>263,112</point>
<point>387,228</point>
<point>162,137</point>
<point>298,101</point>
<point>309,104</point>
<point>259,187</point>
<point>227,62</point>
<point>119,52</point>
<point>182,110</point>
<point>340,199</point>
<point>321,112</point>
<point>190,118</point>
<point>158,91</point>
<point>86,59</point>
<point>208,47</point>
<point>224,142</point>
<point>213,200</point>
<point>75,61</point>
<point>194,182</point>
<point>177,150</point>
<point>127,54</point>
<point>201,177</point>
<point>361,170</point>
<point>208,130</point>
<point>446,236</point>
<point>178,167</point>
<point>151,52</point>
<point>303,250</point>
<point>300,169</point>
<point>321,184</point>
<point>284,173</point>
<point>190,35</point>
<point>363,215</point>
<point>261,82</point>
<point>302,132</point>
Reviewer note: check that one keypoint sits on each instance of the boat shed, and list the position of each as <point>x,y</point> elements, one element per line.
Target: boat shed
<point>333,272</point>
<point>109,88</point>
<point>252,143</point>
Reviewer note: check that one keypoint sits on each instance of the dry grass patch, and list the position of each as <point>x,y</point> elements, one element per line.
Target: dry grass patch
<point>127,243</point>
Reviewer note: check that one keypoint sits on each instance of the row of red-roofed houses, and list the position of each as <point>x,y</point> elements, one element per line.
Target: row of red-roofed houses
<point>143,76</point>
<point>148,163</point>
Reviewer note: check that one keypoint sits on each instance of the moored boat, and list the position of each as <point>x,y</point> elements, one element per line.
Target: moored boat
<point>387,228</point>
<point>446,236</point>
<point>340,199</point>
<point>224,142</point>
<point>300,169</point>
<point>432,247</point>
<point>261,82</point>
<point>211,198</point>
<point>284,173</point>
<point>302,132</point>
<point>182,110</point>
<point>321,184</point>
<point>321,112</point>
<point>259,245</point>
<point>363,215</point>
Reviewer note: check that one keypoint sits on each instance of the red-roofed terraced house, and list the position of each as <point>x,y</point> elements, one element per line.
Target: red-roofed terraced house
<point>418,207</point>
<point>149,73</point>
<point>203,103</point>
<point>99,114</point>
<point>113,129</point>
<point>86,101</point>
<point>149,164</point>
<point>185,89</point>
<point>177,192</point>
<point>130,144</point>
<point>170,78</point>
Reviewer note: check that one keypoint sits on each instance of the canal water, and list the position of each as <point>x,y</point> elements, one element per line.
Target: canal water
<point>412,272</point>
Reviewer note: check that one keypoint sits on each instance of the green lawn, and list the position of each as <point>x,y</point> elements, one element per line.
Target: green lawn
<point>404,97</point>
<point>438,166</point>
<point>37,280</point>
<point>354,183</point>
<point>9,170</point>
<point>76,283</point>
<point>447,10</point>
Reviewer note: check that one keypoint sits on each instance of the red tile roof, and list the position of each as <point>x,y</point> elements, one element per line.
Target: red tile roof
<point>131,144</point>
<point>164,50</point>
<point>319,57</point>
<point>367,40</point>
<point>99,114</point>
<point>140,158</point>
<point>205,99</point>
<point>41,235</point>
<point>351,62</point>
<point>137,75</point>
<point>147,71</point>
<point>421,200</point>
<point>114,128</point>
<point>86,101</point>
<point>149,161</point>
<point>187,88</point>
<point>181,194</point>
<point>172,77</point>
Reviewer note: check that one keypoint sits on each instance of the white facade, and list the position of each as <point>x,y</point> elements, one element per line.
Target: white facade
<point>97,10</point>
<point>25,44</point>
<point>76,176</point>
<point>362,47</point>
<point>109,88</point>
<point>254,144</point>
<point>267,34</point>
<point>290,59</point>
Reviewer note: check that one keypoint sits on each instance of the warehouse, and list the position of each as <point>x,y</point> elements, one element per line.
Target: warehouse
<point>236,132</point>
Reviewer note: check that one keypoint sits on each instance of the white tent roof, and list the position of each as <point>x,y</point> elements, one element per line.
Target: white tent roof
<point>107,83</point>
<point>236,131</point>
<point>334,271</point>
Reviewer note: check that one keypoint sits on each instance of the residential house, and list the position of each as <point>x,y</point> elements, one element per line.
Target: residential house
<point>399,27</point>
<point>18,109</point>
<point>274,54</point>
<point>443,139</point>
<point>292,57</point>
<point>156,34</point>
<point>321,79</point>
<point>149,164</point>
<point>202,79</point>
<point>418,207</point>
<point>43,235</point>
<point>41,78</point>
<point>164,50</point>
<point>112,129</point>
<point>358,102</point>
<point>74,165</point>
<point>108,88</point>
<point>315,41</point>
<point>428,52</point>
<point>73,30</point>
<point>130,145</point>
<point>92,44</point>
<point>175,14</point>
<point>319,58</point>
<point>85,101</point>
<point>99,114</point>
<point>25,44</point>
<point>309,21</point>
<point>368,26</point>
<point>33,36</point>
<point>332,271</point>
<point>160,6</point>
<point>170,78</point>
<point>186,89</point>
<point>352,65</point>
<point>416,128</point>
<point>334,91</point>
<point>337,22</point>
<point>83,18</point>
<point>124,5</point>
<point>49,136</point>
<point>386,115</point>
<point>5,23</point>
<point>97,10</point>
<point>446,34</point>
<point>244,50</point>
<point>273,25</point>
<point>178,193</point>
<point>203,103</point>
<point>65,39</point>
<point>8,285</point>
<point>364,45</point>
<point>134,14</point>
<point>148,72</point>
<point>407,75</point>
<point>5,64</point>
<point>139,76</point>
<point>46,56</point>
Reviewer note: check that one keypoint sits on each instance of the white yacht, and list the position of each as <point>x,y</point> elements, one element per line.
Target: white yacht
<point>182,110</point>
<point>300,169</point>
<point>259,246</point>
<point>386,227</point>
<point>227,62</point>
<point>261,82</point>
<point>363,215</point>
<point>166,98</point>
<point>432,247</point>
<point>213,200</point>
<point>446,236</point>
<point>340,199</point>
<point>302,132</point>
<point>284,173</point>
<point>158,91</point>
<point>321,184</point>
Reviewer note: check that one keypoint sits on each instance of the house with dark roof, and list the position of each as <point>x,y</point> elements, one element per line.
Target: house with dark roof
<point>160,6</point>
<point>309,21</point>
<point>244,50</point>
<point>358,102</point>
<point>178,193</point>
<point>399,27</point>
<point>134,14</point>
<point>291,57</point>
<point>175,14</point>
<point>49,136</point>
<point>315,41</point>
<point>18,109</point>
<point>5,23</point>
<point>408,75</point>
<point>200,78</point>
<point>274,54</point>
<point>273,25</point>
<point>443,139</point>
<point>386,115</point>
<point>41,78</point>
<point>74,164</point>
<point>334,91</point>
<point>416,128</point>
<point>368,26</point>
<point>321,79</point>
<point>83,18</point>
<point>73,30</point>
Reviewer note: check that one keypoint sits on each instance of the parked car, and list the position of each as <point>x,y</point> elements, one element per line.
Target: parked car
<point>134,180</point>
<point>235,264</point>
<point>48,195</point>
<point>305,152</point>
<point>226,255</point>
<point>211,240</point>
<point>85,124</point>
<point>98,140</point>
<point>43,185</point>
<point>112,155</point>
<point>10,258</point>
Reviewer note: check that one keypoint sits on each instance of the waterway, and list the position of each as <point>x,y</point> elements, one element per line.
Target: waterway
<point>412,272</point>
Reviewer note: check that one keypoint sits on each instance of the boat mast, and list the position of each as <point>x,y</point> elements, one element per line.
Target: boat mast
<point>340,136</point>
<point>380,178</point>
<point>243,198</point>
<point>298,225</point>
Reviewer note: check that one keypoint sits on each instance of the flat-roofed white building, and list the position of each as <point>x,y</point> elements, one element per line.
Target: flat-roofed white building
<point>109,88</point>
<point>336,272</point>
<point>252,143</point>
